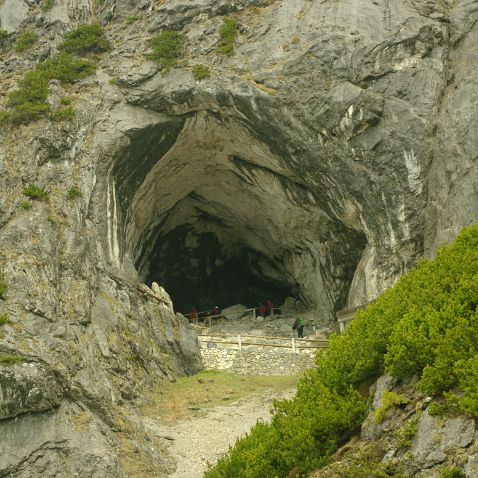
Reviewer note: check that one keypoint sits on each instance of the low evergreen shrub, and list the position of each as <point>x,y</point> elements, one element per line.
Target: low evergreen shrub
<point>28,102</point>
<point>200,72</point>
<point>26,205</point>
<point>74,193</point>
<point>63,114</point>
<point>426,325</point>
<point>389,400</point>
<point>86,38</point>
<point>34,192</point>
<point>132,19</point>
<point>47,5</point>
<point>66,68</point>
<point>166,48</point>
<point>26,40</point>
<point>4,319</point>
<point>227,36</point>
<point>454,472</point>
<point>3,285</point>
<point>5,359</point>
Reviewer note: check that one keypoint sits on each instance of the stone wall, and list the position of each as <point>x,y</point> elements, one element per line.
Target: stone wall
<point>255,359</point>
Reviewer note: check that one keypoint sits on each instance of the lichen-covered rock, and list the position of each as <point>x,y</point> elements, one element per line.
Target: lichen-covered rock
<point>435,436</point>
<point>27,387</point>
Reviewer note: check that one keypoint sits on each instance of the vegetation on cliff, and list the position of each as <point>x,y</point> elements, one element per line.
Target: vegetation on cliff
<point>426,325</point>
<point>166,48</point>
<point>29,101</point>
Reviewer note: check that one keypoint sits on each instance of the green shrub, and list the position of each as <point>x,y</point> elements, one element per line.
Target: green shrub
<point>167,48</point>
<point>35,192</point>
<point>63,114</point>
<point>132,19</point>
<point>26,205</point>
<point>3,37</point>
<point>454,472</point>
<point>74,193</point>
<point>28,102</point>
<point>47,5</point>
<point>227,36</point>
<point>438,299</point>
<point>3,285</point>
<point>406,433</point>
<point>10,358</point>
<point>200,72</point>
<point>66,68</point>
<point>303,434</point>
<point>4,319</point>
<point>389,400</point>
<point>86,38</point>
<point>5,117</point>
<point>440,329</point>
<point>26,40</point>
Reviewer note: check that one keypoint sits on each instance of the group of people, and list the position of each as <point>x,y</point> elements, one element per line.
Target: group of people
<point>266,309</point>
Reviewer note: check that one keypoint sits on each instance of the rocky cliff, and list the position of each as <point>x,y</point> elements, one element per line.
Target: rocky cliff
<point>330,151</point>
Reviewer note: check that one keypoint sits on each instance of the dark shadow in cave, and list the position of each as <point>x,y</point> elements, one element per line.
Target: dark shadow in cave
<point>197,270</point>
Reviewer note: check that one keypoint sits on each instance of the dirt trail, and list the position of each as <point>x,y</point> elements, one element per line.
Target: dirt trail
<point>194,442</point>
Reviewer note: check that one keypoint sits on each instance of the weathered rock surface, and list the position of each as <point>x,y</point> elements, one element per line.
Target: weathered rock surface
<point>436,436</point>
<point>334,148</point>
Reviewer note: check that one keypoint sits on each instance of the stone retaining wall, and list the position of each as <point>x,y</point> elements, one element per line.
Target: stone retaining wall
<point>255,360</point>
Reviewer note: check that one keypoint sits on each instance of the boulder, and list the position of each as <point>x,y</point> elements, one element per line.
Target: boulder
<point>234,312</point>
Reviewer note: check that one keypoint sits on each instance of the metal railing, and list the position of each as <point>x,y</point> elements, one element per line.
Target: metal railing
<point>263,341</point>
<point>206,317</point>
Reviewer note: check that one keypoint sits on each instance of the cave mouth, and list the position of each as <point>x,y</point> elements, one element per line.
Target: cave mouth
<point>198,271</point>
<point>207,208</point>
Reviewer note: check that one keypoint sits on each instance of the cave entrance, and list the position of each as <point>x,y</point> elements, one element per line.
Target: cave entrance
<point>218,217</point>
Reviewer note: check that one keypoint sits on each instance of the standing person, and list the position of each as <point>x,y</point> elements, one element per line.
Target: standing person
<point>193,315</point>
<point>216,311</point>
<point>262,309</point>
<point>299,326</point>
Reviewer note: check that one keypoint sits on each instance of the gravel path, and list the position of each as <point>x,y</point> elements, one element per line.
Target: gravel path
<point>196,441</point>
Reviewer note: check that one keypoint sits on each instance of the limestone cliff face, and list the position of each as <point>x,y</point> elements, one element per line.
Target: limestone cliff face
<point>330,152</point>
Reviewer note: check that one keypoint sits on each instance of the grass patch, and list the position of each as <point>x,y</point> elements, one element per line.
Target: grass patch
<point>34,192</point>
<point>132,19</point>
<point>200,72</point>
<point>189,396</point>
<point>166,48</point>
<point>389,400</point>
<point>4,359</point>
<point>405,434</point>
<point>47,5</point>
<point>63,114</point>
<point>4,319</point>
<point>3,285</point>
<point>25,41</point>
<point>227,36</point>
<point>454,472</point>
<point>73,193</point>
<point>26,205</point>
<point>86,38</point>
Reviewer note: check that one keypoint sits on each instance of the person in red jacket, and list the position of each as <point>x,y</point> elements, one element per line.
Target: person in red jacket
<point>193,315</point>
<point>262,309</point>
<point>216,311</point>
